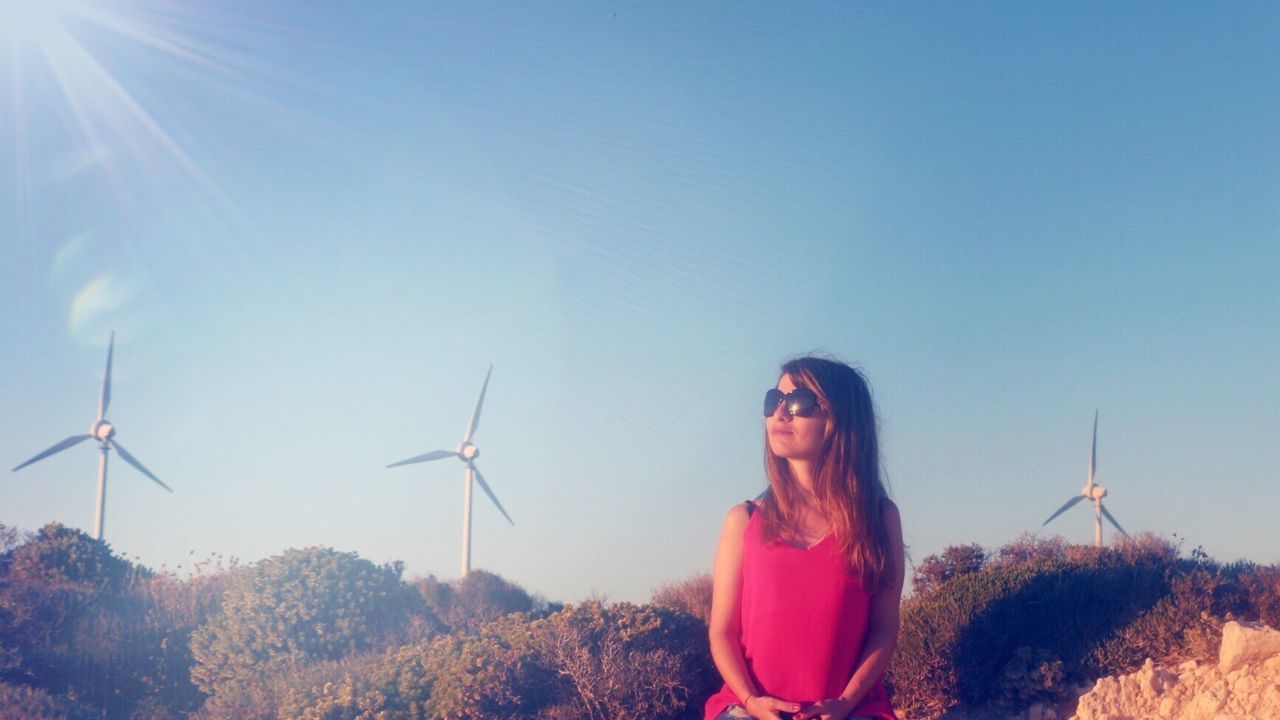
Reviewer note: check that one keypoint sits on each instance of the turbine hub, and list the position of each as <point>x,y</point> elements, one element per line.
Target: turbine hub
<point>1098,492</point>
<point>102,430</point>
<point>468,452</point>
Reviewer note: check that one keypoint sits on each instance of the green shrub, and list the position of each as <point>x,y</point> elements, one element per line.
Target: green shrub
<point>58,554</point>
<point>585,662</point>
<point>495,672</point>
<point>72,623</point>
<point>960,639</point>
<point>299,607</point>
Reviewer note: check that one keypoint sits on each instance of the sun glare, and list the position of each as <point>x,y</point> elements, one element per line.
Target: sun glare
<point>41,40</point>
<point>33,23</point>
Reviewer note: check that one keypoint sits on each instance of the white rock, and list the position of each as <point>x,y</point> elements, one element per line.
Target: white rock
<point>1244,643</point>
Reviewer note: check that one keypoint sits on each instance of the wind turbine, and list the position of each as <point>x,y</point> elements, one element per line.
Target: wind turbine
<point>467,452</point>
<point>1092,491</point>
<point>104,432</point>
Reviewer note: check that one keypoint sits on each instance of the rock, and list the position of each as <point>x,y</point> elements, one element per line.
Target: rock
<point>1246,643</point>
<point>1244,685</point>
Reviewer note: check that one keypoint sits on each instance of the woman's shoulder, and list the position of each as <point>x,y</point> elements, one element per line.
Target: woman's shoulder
<point>740,514</point>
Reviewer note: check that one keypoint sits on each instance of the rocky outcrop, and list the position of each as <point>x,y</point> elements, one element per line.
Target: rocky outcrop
<point>1243,685</point>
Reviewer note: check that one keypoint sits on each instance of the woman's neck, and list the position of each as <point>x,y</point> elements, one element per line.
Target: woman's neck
<point>802,474</point>
<point>811,523</point>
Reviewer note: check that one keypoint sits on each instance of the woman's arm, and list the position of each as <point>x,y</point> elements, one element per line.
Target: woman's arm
<point>725,624</point>
<point>882,631</point>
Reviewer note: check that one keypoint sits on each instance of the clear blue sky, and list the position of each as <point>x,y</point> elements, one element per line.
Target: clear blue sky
<point>315,225</point>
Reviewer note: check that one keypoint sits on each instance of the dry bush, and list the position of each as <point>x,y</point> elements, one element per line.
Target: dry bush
<point>954,561</point>
<point>691,595</point>
<point>468,604</point>
<point>1029,549</point>
<point>626,660</point>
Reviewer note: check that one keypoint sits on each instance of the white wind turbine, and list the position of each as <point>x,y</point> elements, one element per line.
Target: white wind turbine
<point>104,432</point>
<point>467,452</point>
<point>1092,491</point>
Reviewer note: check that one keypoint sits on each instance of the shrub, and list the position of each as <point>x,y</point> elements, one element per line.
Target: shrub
<point>28,703</point>
<point>691,595</point>
<point>959,641</point>
<point>1030,549</point>
<point>583,662</point>
<point>302,606</point>
<point>60,555</point>
<point>1262,586</point>
<point>625,660</point>
<point>1031,675</point>
<point>954,561</point>
<point>469,603</point>
<point>499,672</point>
<point>493,673</point>
<point>72,624</point>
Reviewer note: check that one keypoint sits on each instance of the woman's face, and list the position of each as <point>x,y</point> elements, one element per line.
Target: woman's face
<point>795,438</point>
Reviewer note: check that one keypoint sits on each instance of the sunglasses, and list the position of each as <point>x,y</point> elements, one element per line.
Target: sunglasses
<point>801,402</point>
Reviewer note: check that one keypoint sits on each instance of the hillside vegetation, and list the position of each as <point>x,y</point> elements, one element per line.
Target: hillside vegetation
<point>319,634</point>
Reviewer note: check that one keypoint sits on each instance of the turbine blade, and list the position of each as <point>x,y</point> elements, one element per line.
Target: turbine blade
<point>55,449</point>
<point>124,455</point>
<point>475,416</point>
<point>1063,509</point>
<point>1107,515</point>
<point>104,400</point>
<point>485,487</point>
<point>433,455</point>
<point>1093,450</point>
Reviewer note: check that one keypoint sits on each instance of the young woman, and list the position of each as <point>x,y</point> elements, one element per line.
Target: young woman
<point>807,579</point>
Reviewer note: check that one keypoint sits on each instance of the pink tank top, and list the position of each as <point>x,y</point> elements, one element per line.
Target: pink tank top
<point>804,623</point>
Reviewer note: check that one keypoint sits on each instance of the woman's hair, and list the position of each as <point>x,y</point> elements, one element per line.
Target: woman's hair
<point>846,474</point>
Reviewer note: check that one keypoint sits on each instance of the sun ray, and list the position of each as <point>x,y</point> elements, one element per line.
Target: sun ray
<point>107,120</point>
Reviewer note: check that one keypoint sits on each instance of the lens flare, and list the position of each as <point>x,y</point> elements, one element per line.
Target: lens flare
<point>100,296</point>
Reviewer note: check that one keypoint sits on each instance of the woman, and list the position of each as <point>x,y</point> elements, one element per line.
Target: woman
<point>807,580</point>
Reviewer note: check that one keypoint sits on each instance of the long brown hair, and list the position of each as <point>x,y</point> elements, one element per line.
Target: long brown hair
<point>846,475</point>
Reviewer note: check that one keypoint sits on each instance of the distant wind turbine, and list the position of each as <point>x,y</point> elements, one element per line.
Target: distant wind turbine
<point>467,452</point>
<point>104,432</point>
<point>1094,492</point>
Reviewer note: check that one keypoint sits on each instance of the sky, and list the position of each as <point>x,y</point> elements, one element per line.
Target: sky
<point>313,226</point>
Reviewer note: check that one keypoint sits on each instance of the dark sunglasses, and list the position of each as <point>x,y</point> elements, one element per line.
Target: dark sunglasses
<point>801,402</point>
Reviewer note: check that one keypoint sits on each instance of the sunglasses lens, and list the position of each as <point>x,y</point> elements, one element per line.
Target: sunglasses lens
<point>771,401</point>
<point>801,402</point>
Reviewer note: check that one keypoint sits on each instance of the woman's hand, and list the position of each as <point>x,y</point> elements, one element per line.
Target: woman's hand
<point>832,709</point>
<point>763,707</point>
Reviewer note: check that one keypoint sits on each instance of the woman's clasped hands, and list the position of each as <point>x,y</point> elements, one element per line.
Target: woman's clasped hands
<point>763,707</point>
<point>829,709</point>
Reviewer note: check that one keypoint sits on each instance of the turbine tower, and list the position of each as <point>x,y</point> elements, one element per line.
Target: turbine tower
<point>104,432</point>
<point>467,452</point>
<point>1092,491</point>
